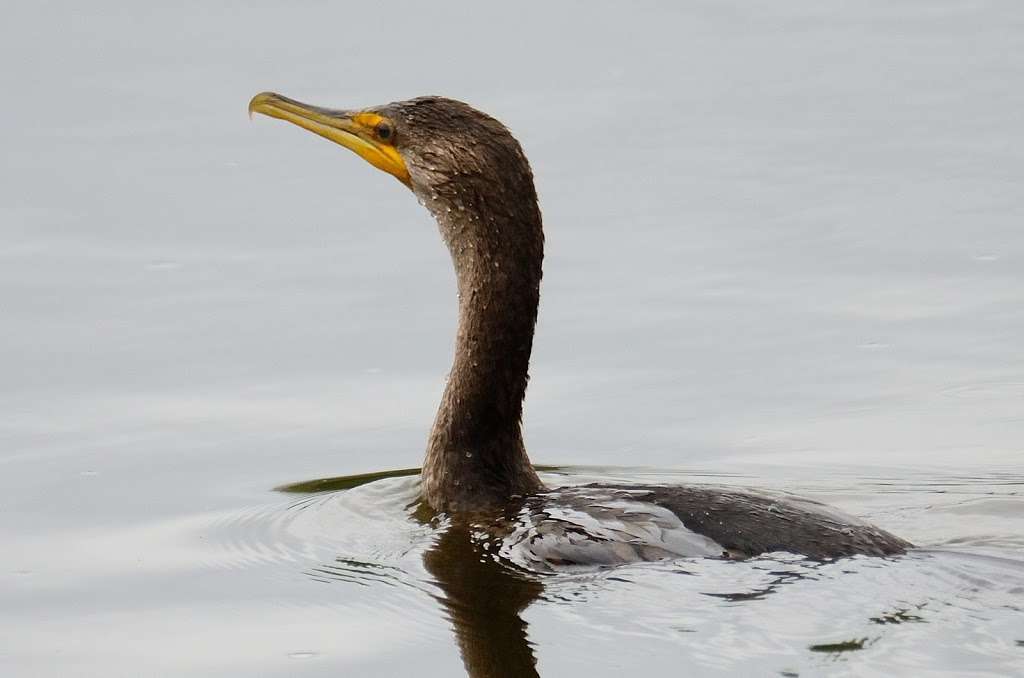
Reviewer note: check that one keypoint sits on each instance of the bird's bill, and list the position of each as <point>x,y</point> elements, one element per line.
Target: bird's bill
<point>353,130</point>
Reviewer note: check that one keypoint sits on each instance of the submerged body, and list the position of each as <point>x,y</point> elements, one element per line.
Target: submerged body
<point>603,525</point>
<point>473,177</point>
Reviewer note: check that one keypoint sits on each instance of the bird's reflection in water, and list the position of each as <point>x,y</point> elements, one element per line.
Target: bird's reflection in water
<point>482,595</point>
<point>484,599</point>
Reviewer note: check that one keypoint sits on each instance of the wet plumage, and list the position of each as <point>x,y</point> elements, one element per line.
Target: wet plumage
<point>468,170</point>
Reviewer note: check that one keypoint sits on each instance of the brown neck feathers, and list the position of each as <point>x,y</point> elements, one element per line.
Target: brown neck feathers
<point>475,457</point>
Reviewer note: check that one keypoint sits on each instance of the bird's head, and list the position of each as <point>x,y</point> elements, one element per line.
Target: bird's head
<point>435,146</point>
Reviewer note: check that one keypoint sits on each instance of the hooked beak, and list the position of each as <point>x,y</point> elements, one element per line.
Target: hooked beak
<point>354,130</point>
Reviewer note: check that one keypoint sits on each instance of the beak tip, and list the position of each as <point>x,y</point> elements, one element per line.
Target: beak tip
<point>259,100</point>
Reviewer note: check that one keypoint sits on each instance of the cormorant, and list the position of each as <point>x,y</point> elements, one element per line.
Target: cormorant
<point>473,177</point>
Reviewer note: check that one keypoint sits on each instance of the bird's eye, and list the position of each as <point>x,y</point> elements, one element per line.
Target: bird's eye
<point>384,130</point>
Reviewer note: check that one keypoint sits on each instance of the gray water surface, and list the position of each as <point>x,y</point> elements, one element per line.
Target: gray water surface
<point>784,250</point>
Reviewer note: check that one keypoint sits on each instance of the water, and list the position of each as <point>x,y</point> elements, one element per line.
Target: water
<point>784,251</point>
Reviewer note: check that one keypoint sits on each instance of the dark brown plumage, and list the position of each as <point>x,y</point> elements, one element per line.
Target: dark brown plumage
<point>472,175</point>
<point>469,171</point>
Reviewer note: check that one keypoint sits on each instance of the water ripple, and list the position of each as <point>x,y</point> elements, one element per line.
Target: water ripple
<point>963,592</point>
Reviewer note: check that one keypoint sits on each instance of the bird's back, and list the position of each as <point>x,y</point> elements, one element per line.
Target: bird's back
<point>600,525</point>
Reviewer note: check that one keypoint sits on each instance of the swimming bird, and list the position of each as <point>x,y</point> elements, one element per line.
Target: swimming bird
<point>469,171</point>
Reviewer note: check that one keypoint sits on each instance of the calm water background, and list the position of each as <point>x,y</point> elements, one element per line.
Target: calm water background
<point>784,250</point>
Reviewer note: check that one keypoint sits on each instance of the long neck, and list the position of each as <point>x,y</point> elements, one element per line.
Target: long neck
<point>475,457</point>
